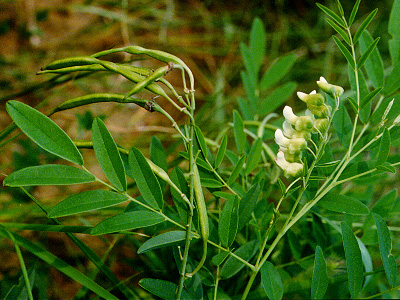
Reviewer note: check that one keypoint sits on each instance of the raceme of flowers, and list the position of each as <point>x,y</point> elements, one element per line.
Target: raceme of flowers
<point>296,130</point>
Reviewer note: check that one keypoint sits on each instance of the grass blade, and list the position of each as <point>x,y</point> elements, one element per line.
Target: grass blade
<point>60,265</point>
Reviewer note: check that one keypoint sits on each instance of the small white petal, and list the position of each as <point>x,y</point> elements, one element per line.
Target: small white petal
<point>280,139</point>
<point>289,115</point>
<point>313,92</point>
<point>288,130</point>
<point>322,79</point>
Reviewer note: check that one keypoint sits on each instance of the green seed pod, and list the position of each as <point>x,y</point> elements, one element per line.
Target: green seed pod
<point>71,62</point>
<point>157,74</point>
<point>96,98</point>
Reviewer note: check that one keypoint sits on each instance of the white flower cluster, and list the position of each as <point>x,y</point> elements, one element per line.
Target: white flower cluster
<point>297,130</point>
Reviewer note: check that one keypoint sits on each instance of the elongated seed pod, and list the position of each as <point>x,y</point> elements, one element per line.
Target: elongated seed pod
<point>71,62</point>
<point>203,218</point>
<point>96,98</point>
<point>157,74</point>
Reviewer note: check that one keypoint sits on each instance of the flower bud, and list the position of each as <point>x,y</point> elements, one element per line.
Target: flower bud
<point>292,145</point>
<point>321,124</point>
<point>328,88</point>
<point>289,168</point>
<point>322,111</point>
<point>300,123</point>
<point>312,98</point>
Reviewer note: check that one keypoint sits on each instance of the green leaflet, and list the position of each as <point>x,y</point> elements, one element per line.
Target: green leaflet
<point>43,131</point>
<point>228,222</point>
<point>277,97</point>
<point>163,289</point>
<point>343,125</point>
<point>236,171</point>
<point>271,281</point>
<point>86,201</point>
<point>158,156</point>
<point>277,71</point>
<point>146,181</point>
<point>364,25</point>
<point>108,155</point>
<point>345,52</point>
<point>162,240</point>
<point>320,278</point>
<point>374,64</point>
<point>331,14</point>
<point>221,152</point>
<point>353,260</point>
<point>238,130</point>
<point>385,247</point>
<point>232,266</point>
<point>178,178</point>
<point>48,175</point>
<point>247,205</point>
<point>127,221</point>
<point>254,156</point>
<point>257,43</point>
<point>394,31</point>
<point>384,148</point>
<point>343,204</point>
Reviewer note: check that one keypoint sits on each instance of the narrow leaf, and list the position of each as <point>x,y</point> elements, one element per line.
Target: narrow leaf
<point>162,288</point>
<point>277,71</point>
<point>162,240</point>
<point>228,222</point>
<point>353,260</point>
<point>271,281</point>
<point>374,63</point>
<point>157,153</point>
<point>232,266</point>
<point>247,205</point>
<point>345,52</point>
<point>331,14</point>
<point>221,152</point>
<point>238,130</point>
<point>384,147</point>
<point>201,141</point>
<point>354,12</point>
<point>146,181</point>
<point>48,175</point>
<point>320,279</point>
<point>392,81</point>
<point>257,44</point>
<point>339,30</point>
<point>127,221</point>
<point>385,247</point>
<point>343,125</point>
<point>394,31</point>
<point>364,25</point>
<point>108,155</point>
<point>43,131</point>
<point>236,171</point>
<point>86,201</point>
<point>277,97</point>
<point>254,156</point>
<point>178,178</point>
<point>343,204</point>
<point>367,53</point>
<point>60,265</point>
<point>369,97</point>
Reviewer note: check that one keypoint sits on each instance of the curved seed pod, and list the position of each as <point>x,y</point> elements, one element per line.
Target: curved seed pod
<point>203,218</point>
<point>84,68</point>
<point>157,74</point>
<point>71,62</point>
<point>96,98</point>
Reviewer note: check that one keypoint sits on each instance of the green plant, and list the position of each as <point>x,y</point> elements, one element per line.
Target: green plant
<point>231,217</point>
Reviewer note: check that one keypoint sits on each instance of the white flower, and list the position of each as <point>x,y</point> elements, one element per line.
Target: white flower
<point>292,145</point>
<point>289,115</point>
<point>312,98</point>
<point>289,168</point>
<point>334,90</point>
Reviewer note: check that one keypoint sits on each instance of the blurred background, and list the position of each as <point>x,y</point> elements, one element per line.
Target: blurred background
<point>204,34</point>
